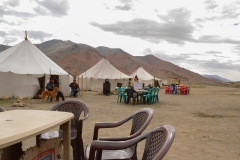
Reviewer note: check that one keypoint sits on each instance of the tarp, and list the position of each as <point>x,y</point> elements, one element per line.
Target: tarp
<point>22,65</point>
<point>96,75</point>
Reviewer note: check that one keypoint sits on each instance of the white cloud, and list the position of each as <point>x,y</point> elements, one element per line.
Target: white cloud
<point>12,3</point>
<point>200,36</point>
<point>52,7</point>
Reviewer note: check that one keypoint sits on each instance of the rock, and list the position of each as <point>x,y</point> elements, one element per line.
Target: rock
<point>19,103</point>
<point>4,98</point>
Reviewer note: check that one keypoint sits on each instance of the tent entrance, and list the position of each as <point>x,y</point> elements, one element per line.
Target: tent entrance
<point>56,80</point>
<point>41,81</point>
<point>42,84</point>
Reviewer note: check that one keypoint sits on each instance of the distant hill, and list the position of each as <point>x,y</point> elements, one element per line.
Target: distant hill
<point>216,77</point>
<point>75,58</point>
<point>53,45</point>
<point>170,70</point>
<point>106,51</point>
<point>3,47</point>
<point>155,66</point>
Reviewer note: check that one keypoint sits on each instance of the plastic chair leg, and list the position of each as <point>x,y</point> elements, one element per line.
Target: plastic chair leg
<point>141,99</point>
<point>134,99</point>
<point>128,99</point>
<point>74,147</point>
<point>81,148</point>
<point>124,99</point>
<point>149,100</point>
<point>118,99</point>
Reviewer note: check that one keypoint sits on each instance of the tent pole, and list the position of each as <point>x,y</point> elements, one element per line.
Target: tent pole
<point>59,82</point>
<point>154,82</point>
<point>78,83</point>
<point>82,85</point>
<point>26,35</point>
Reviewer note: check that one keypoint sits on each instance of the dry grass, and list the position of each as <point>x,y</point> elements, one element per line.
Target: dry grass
<point>207,121</point>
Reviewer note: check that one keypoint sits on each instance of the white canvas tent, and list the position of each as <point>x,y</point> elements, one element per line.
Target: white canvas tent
<point>94,77</point>
<point>143,76</point>
<point>22,65</point>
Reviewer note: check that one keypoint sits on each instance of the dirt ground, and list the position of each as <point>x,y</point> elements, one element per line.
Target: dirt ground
<point>207,121</point>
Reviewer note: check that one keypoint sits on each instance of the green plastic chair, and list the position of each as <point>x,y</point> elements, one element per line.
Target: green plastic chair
<point>156,95</point>
<point>121,94</point>
<point>141,96</point>
<point>149,96</point>
<point>154,90</point>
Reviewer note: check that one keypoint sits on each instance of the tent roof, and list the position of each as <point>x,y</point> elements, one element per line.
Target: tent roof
<point>103,70</point>
<point>26,58</point>
<point>142,74</point>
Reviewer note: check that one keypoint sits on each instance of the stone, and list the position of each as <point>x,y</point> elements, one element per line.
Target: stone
<point>19,103</point>
<point>4,98</point>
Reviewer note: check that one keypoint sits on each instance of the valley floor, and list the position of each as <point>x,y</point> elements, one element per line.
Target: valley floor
<point>207,121</point>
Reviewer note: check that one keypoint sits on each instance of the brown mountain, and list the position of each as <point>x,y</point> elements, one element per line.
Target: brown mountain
<point>72,57</point>
<point>106,51</point>
<point>77,58</point>
<point>3,47</point>
<point>169,70</point>
<point>54,45</point>
<point>157,67</point>
<point>120,59</point>
<point>80,58</point>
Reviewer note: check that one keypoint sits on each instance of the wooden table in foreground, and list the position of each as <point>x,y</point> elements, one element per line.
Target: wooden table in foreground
<point>19,125</point>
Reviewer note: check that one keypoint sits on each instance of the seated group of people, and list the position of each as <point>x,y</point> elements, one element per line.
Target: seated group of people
<point>135,84</point>
<point>74,89</point>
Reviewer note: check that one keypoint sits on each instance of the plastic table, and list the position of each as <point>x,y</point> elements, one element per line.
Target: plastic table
<point>19,125</point>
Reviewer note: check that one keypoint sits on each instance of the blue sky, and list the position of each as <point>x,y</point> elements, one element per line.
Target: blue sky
<point>202,36</point>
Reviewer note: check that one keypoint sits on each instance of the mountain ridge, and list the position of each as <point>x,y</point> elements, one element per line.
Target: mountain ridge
<point>216,77</point>
<point>3,47</point>
<point>76,58</point>
<point>106,50</point>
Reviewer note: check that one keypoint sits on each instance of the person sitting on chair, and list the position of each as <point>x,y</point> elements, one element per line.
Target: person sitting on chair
<point>74,88</point>
<point>136,78</point>
<point>50,86</point>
